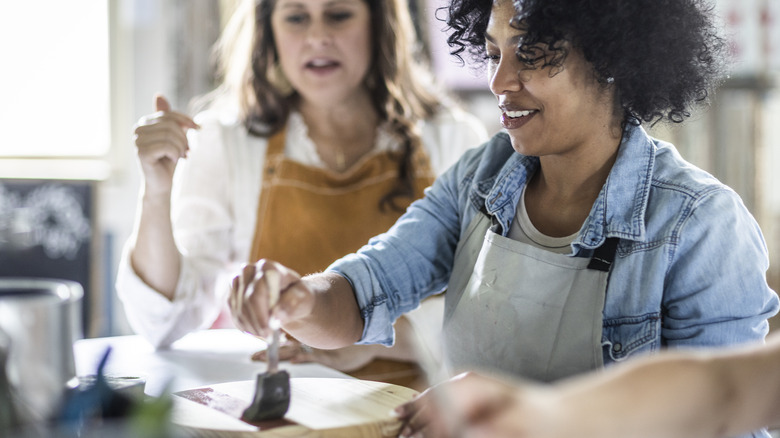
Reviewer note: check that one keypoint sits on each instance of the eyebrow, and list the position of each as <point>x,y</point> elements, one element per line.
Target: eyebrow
<point>330,3</point>
<point>515,40</point>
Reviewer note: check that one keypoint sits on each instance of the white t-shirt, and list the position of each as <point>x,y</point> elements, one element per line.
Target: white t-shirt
<point>214,206</point>
<point>524,231</point>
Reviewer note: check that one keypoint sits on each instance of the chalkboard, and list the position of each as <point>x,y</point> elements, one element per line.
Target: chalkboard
<point>47,230</point>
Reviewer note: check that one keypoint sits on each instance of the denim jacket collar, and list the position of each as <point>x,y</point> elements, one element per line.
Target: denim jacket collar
<point>620,207</point>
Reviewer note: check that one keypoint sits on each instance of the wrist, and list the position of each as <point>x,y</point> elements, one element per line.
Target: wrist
<point>155,196</point>
<point>321,311</point>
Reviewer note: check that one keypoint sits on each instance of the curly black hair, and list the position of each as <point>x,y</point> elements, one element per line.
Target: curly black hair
<point>663,56</point>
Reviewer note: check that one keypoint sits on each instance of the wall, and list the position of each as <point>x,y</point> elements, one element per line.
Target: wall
<point>156,47</point>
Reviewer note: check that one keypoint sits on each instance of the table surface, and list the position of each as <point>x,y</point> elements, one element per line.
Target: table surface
<point>199,359</point>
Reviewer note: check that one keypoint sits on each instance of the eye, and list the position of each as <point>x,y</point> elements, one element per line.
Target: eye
<point>339,16</point>
<point>492,54</point>
<point>296,18</point>
<point>492,58</point>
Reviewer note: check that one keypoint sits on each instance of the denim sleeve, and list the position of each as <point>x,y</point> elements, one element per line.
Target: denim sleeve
<point>716,288</point>
<point>397,269</point>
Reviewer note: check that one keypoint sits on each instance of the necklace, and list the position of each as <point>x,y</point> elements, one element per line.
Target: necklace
<point>341,161</point>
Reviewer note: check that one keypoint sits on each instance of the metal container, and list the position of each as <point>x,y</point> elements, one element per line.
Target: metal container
<point>42,319</point>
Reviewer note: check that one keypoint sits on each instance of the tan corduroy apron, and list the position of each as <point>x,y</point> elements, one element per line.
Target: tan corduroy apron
<point>308,217</point>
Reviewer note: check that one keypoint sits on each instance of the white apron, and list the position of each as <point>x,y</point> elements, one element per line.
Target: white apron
<point>512,308</point>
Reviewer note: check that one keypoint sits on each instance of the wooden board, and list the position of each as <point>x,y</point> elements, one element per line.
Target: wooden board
<point>319,408</point>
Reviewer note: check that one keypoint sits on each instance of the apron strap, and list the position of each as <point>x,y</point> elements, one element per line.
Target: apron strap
<point>604,255</point>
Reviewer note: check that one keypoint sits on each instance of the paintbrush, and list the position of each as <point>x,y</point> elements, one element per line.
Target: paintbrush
<point>272,388</point>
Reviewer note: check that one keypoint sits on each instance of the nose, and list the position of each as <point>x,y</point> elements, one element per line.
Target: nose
<point>505,76</point>
<point>318,33</point>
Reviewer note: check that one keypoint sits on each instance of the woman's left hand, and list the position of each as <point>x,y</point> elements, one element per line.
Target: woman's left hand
<point>476,406</point>
<point>343,359</point>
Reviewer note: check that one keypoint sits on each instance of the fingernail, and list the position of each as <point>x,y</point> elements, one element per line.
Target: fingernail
<point>395,413</point>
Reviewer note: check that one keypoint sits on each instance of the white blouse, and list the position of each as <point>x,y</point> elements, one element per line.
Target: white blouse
<point>214,206</point>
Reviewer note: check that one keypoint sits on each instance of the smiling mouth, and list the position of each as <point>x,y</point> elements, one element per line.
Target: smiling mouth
<point>517,114</point>
<point>516,119</point>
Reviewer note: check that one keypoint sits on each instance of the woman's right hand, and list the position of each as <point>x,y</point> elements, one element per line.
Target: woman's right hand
<point>268,289</point>
<point>161,140</point>
<point>478,406</point>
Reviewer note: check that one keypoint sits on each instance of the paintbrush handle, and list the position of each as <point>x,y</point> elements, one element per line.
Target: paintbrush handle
<point>272,281</point>
<point>272,352</point>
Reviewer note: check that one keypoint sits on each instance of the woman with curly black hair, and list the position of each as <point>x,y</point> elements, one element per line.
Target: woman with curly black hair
<point>572,240</point>
<point>575,81</point>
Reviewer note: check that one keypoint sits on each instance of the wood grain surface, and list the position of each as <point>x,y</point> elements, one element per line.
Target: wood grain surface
<point>319,408</point>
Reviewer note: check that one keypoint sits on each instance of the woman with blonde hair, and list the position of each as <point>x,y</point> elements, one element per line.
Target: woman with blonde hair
<point>326,126</point>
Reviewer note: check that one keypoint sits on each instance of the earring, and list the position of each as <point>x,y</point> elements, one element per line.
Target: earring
<point>610,80</point>
<point>278,80</point>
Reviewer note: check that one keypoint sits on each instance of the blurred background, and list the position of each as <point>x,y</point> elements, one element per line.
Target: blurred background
<point>77,75</point>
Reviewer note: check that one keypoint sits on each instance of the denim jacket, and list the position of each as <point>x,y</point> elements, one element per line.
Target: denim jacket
<point>690,268</point>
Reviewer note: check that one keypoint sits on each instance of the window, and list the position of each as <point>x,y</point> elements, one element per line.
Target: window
<point>54,83</point>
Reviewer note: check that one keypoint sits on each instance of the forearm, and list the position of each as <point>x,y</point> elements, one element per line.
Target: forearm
<point>335,320</point>
<point>669,398</point>
<point>680,395</point>
<point>753,378</point>
<point>155,257</point>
